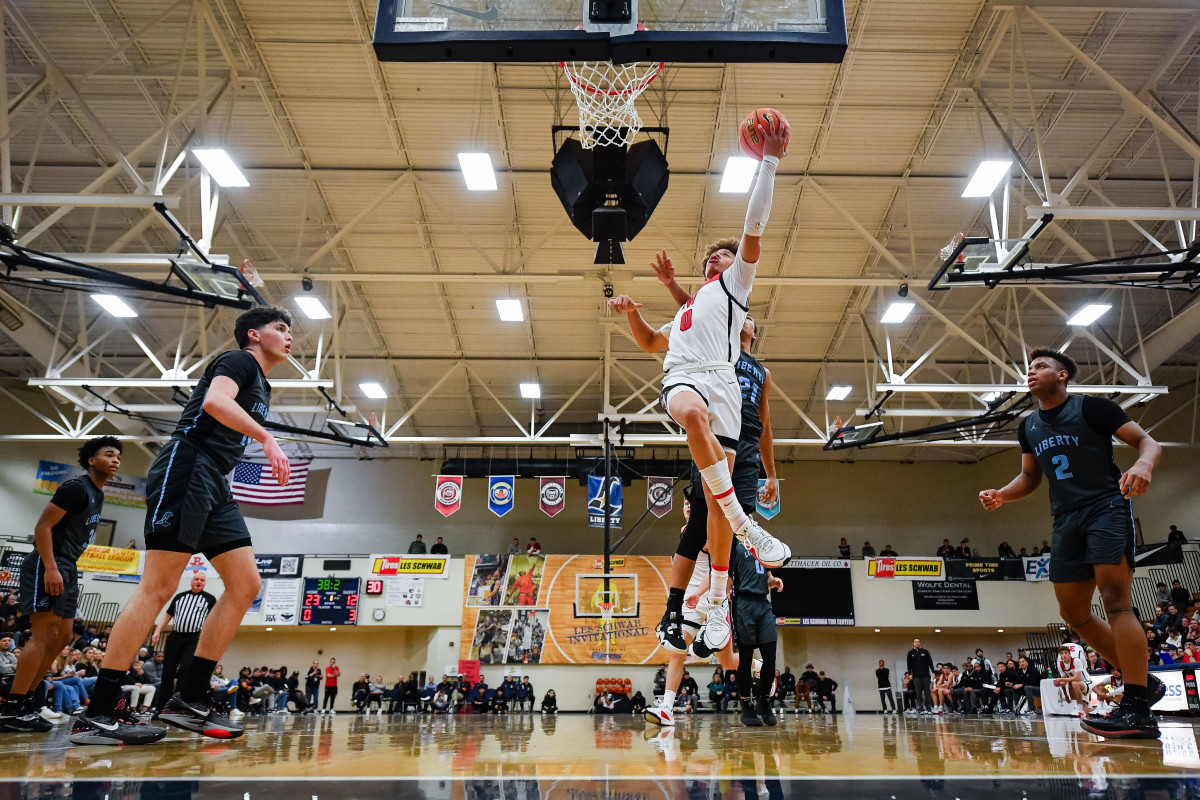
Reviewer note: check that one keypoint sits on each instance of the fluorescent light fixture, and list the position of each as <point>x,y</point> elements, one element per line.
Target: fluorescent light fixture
<point>990,396</point>
<point>373,391</point>
<point>937,630</point>
<point>270,629</point>
<point>986,178</point>
<point>897,312</point>
<point>838,392</point>
<point>1089,314</point>
<point>531,391</point>
<point>477,169</point>
<point>510,309</point>
<point>220,167</point>
<point>876,630</point>
<point>999,630</point>
<point>114,305</point>
<point>738,175</point>
<point>333,629</point>
<point>312,307</point>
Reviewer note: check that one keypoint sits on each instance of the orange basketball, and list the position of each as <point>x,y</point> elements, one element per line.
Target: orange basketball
<point>748,136</point>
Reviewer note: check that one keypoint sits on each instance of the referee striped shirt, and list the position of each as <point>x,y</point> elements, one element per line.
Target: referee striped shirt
<point>189,610</point>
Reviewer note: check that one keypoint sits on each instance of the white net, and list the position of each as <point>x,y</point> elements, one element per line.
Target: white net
<point>606,94</point>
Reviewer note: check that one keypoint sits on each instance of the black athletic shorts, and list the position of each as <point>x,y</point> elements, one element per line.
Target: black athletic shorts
<point>189,506</point>
<point>746,465</point>
<point>753,620</point>
<point>34,599</point>
<point>1101,533</point>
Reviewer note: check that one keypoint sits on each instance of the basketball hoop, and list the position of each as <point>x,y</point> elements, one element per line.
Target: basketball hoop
<point>250,272</point>
<point>949,249</point>
<point>606,625</point>
<point>606,93</point>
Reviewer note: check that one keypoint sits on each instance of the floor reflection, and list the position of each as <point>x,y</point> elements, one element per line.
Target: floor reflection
<point>527,756</point>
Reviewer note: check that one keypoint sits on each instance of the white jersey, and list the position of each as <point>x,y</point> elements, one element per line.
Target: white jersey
<point>1078,662</point>
<point>708,328</point>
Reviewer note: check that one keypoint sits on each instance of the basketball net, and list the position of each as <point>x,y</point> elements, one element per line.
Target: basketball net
<point>949,249</point>
<point>607,627</point>
<point>605,93</point>
<point>250,272</point>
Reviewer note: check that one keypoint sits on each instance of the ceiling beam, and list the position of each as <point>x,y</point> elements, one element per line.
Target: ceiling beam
<point>1113,213</point>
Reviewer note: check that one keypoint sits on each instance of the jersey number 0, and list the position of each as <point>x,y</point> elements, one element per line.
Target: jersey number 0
<point>685,321</point>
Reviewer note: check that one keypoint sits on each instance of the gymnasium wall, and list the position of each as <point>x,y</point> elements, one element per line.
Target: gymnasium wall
<point>379,506</point>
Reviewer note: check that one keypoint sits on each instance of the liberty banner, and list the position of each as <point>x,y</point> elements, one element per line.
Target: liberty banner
<point>447,495</point>
<point>500,494</point>
<point>595,506</point>
<point>659,495</point>
<point>552,495</point>
<point>557,620</point>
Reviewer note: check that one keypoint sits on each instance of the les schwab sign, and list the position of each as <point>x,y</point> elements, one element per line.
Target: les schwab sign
<point>907,569</point>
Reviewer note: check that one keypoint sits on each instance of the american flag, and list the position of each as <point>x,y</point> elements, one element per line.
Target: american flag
<point>255,485</point>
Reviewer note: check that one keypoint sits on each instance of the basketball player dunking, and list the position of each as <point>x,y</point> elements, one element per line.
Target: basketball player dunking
<point>701,391</point>
<point>1069,440</point>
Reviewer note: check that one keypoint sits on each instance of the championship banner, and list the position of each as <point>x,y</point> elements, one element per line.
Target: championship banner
<point>423,566</point>
<point>114,560</point>
<point>659,495</point>
<point>595,506</point>
<point>1036,568</point>
<point>500,494</point>
<point>945,596</point>
<point>985,569</point>
<point>532,610</point>
<point>906,569</point>
<point>447,496</point>
<point>120,490</point>
<point>765,511</point>
<point>552,495</point>
<point>279,566</point>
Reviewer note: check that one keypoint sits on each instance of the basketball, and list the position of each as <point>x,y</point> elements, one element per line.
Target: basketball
<point>748,136</point>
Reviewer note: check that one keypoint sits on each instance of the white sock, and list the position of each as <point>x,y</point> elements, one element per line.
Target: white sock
<point>718,579</point>
<point>721,485</point>
<point>668,699</point>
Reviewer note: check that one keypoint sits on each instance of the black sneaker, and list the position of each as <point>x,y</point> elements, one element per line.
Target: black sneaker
<point>670,631</point>
<point>22,720</point>
<point>1155,689</point>
<point>199,718</point>
<point>766,712</point>
<point>120,727</point>
<point>749,717</point>
<point>1123,722</point>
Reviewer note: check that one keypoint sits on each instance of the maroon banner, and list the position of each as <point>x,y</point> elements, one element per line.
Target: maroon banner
<point>659,495</point>
<point>447,497</point>
<point>552,495</point>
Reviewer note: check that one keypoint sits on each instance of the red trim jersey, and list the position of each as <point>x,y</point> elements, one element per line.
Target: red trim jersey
<point>708,328</point>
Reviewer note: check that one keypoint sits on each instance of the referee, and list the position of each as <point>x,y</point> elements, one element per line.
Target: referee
<point>188,610</point>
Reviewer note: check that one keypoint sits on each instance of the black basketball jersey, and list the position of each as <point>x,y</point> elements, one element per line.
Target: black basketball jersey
<point>82,501</point>
<point>752,377</point>
<point>1076,458</point>
<point>749,576</point>
<point>196,426</point>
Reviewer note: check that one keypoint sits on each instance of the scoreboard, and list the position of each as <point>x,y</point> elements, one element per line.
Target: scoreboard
<point>330,601</point>
<point>816,591</point>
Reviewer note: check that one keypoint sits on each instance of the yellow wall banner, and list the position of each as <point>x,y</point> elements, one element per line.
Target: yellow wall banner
<point>907,569</point>
<point>427,566</point>
<point>530,610</point>
<point>113,560</point>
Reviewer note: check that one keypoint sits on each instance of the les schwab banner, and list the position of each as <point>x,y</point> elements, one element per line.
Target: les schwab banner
<point>906,569</point>
<point>521,609</point>
<point>423,566</point>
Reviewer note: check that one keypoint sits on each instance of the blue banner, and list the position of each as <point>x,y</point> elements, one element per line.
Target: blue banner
<point>595,506</point>
<point>766,512</point>
<point>500,494</point>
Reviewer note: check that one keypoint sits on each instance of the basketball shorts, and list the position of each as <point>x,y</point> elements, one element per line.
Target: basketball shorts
<point>717,385</point>
<point>753,620</point>
<point>34,599</point>
<point>1100,533</point>
<point>189,506</point>
<point>691,617</point>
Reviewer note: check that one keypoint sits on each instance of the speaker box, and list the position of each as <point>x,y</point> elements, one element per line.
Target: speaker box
<point>647,178</point>
<point>571,177</point>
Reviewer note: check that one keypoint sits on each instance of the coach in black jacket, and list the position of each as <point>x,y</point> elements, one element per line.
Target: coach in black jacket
<point>920,664</point>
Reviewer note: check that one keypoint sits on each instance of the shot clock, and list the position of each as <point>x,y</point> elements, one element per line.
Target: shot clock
<point>330,601</point>
<point>374,586</point>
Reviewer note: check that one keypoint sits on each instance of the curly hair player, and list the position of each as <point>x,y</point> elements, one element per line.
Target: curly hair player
<point>701,391</point>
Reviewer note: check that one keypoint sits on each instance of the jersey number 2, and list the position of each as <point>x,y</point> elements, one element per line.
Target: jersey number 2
<point>1060,467</point>
<point>685,321</point>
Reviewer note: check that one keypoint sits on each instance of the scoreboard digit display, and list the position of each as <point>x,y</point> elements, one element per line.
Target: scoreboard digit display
<point>374,586</point>
<point>330,601</point>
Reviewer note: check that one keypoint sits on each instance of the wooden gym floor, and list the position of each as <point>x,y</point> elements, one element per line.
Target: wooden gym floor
<point>530,757</point>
